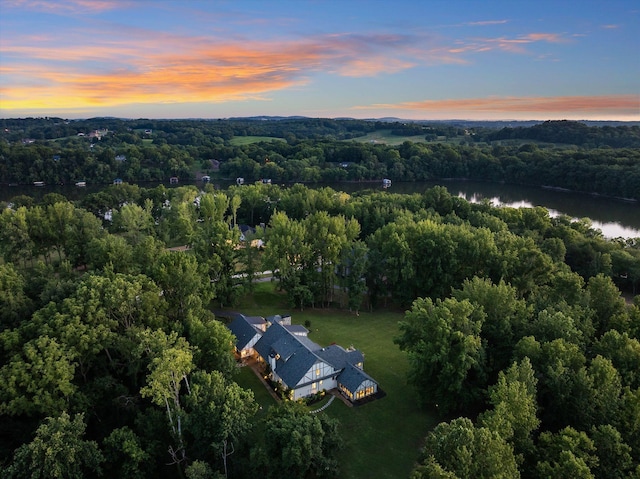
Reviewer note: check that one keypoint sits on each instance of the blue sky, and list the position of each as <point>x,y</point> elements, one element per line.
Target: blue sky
<point>413,59</point>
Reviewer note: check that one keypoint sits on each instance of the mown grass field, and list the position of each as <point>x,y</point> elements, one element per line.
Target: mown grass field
<point>247,140</point>
<point>382,438</point>
<point>384,137</point>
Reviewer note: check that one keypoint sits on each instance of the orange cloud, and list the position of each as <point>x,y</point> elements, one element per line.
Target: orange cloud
<point>128,65</point>
<point>628,105</point>
<point>170,69</point>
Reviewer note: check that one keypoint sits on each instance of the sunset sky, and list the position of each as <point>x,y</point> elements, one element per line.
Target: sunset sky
<point>414,59</point>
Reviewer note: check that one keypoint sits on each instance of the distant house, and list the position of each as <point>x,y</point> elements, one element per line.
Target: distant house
<point>206,178</point>
<point>239,181</point>
<point>121,158</point>
<point>300,365</point>
<point>117,181</point>
<point>386,183</point>
<point>98,133</point>
<point>248,232</point>
<point>173,180</point>
<point>56,157</point>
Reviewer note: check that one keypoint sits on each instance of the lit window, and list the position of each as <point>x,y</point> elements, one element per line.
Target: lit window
<point>318,372</point>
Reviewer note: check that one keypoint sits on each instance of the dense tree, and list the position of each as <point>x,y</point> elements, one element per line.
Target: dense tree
<point>91,318</point>
<point>514,413</point>
<point>124,454</point>
<point>219,415</point>
<point>505,317</point>
<point>15,305</point>
<point>167,372</point>
<point>38,379</point>
<point>460,449</point>
<point>446,354</point>
<point>566,454</point>
<point>614,459</point>
<point>297,444</point>
<point>58,450</point>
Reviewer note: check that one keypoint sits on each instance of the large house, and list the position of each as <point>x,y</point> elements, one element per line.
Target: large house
<point>299,364</point>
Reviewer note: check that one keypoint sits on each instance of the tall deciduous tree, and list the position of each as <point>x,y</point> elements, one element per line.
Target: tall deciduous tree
<point>446,354</point>
<point>460,449</point>
<point>514,413</point>
<point>58,451</point>
<point>354,265</point>
<point>567,454</point>
<point>15,305</point>
<point>505,313</point>
<point>297,444</point>
<point>219,415</point>
<point>288,253</point>
<point>38,379</point>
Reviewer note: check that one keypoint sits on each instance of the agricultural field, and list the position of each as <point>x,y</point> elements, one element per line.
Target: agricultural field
<point>382,438</point>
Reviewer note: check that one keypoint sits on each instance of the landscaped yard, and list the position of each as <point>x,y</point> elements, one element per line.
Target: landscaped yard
<point>382,437</point>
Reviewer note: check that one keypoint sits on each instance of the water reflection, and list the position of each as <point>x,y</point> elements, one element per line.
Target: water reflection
<point>609,229</point>
<point>613,217</point>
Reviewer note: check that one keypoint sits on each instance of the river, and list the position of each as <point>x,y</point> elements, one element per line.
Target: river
<point>615,218</point>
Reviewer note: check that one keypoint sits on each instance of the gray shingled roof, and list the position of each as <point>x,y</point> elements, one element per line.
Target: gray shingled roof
<point>255,320</point>
<point>242,330</point>
<point>293,370</point>
<point>338,357</point>
<point>286,346</point>
<point>352,377</point>
<point>296,328</point>
<point>270,337</point>
<point>298,354</point>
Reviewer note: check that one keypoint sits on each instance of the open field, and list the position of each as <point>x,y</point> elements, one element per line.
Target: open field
<point>247,140</point>
<point>386,138</point>
<point>382,438</point>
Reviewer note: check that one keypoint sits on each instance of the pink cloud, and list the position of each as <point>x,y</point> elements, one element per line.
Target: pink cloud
<point>628,105</point>
<point>68,6</point>
<point>487,22</point>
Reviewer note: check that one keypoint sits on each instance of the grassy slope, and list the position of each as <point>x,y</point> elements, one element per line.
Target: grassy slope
<point>382,437</point>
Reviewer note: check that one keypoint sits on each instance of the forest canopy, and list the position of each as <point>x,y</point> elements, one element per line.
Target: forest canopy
<point>571,155</point>
<point>113,364</point>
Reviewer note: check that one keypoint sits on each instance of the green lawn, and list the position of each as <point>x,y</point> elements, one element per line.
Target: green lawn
<point>247,140</point>
<point>382,437</point>
<point>247,379</point>
<point>385,137</point>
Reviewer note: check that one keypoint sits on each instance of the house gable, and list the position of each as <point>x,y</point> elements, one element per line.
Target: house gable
<point>355,383</point>
<point>246,335</point>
